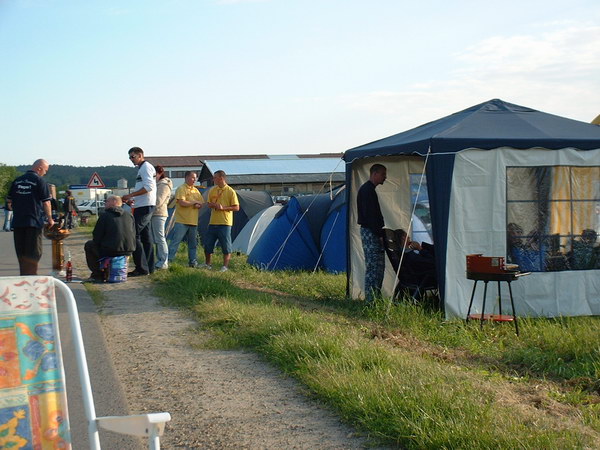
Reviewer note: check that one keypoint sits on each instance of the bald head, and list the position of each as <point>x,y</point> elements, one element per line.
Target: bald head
<point>113,201</point>
<point>40,166</point>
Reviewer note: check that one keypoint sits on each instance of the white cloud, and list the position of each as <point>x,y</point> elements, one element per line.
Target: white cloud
<point>556,72</point>
<point>563,52</point>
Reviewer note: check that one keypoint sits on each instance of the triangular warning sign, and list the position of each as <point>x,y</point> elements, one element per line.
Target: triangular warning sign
<point>95,181</point>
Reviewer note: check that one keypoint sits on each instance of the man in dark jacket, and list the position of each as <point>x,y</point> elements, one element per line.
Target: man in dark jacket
<point>418,264</point>
<point>113,235</point>
<point>69,208</point>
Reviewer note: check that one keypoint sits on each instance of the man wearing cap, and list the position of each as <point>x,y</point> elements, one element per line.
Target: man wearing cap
<point>29,198</point>
<point>144,195</point>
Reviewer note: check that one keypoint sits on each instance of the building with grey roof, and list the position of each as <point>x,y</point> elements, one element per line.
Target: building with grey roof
<point>277,174</point>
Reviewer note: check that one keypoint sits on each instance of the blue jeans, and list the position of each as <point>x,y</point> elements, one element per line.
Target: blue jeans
<point>181,231</point>
<point>222,233</point>
<point>374,263</point>
<point>8,215</point>
<point>158,233</point>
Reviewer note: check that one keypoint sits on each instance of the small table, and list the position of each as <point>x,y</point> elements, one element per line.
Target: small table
<point>486,278</point>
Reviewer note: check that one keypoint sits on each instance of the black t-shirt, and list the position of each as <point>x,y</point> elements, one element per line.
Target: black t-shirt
<point>27,194</point>
<point>369,212</point>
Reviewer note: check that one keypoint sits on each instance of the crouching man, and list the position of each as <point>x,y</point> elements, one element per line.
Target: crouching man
<point>114,235</point>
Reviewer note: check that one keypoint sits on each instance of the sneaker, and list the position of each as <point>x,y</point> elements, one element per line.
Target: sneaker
<point>204,266</point>
<point>193,264</point>
<point>224,269</point>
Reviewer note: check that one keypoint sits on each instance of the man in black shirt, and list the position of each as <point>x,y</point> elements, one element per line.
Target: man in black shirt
<point>371,224</point>
<point>29,198</point>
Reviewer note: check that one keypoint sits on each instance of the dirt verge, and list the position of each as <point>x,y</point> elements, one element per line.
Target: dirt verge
<point>217,399</point>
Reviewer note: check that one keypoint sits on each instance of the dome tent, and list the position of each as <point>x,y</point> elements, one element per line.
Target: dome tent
<point>253,230</point>
<point>295,237</point>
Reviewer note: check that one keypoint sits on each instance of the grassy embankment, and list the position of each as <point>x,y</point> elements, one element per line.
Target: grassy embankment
<point>404,375</point>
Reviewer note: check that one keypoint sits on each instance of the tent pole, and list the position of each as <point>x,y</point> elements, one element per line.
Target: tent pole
<point>409,229</point>
<point>347,194</point>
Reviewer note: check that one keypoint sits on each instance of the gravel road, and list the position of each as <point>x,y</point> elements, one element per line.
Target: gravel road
<point>217,399</point>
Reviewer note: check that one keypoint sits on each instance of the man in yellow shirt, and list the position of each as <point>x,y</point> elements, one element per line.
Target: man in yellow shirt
<point>223,201</point>
<point>189,201</point>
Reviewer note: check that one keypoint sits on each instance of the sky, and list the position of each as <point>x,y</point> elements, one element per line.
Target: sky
<point>81,82</point>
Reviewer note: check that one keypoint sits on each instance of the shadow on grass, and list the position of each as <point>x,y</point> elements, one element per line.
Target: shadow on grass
<point>557,349</point>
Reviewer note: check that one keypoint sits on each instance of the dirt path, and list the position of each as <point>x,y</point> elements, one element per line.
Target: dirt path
<point>217,399</point>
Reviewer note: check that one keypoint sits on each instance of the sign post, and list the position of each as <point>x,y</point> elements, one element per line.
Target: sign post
<point>95,183</point>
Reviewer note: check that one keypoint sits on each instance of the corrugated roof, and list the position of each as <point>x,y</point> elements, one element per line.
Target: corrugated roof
<point>197,161</point>
<point>285,178</point>
<point>277,166</point>
<point>175,161</point>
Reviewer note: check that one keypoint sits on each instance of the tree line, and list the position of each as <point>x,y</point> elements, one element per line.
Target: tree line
<point>63,176</point>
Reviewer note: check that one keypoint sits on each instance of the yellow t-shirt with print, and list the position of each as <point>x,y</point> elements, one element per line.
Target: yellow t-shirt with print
<point>225,196</point>
<point>187,215</point>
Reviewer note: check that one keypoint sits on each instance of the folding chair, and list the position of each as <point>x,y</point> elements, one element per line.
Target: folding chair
<point>33,398</point>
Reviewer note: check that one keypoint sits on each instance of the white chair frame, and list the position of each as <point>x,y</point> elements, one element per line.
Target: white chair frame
<point>150,426</point>
<point>143,425</point>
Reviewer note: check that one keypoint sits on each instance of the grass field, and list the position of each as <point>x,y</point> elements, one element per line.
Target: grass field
<point>402,374</point>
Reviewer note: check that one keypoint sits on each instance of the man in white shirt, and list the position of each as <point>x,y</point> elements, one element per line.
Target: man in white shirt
<point>144,195</point>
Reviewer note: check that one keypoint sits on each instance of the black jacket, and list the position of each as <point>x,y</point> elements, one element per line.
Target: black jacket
<point>419,267</point>
<point>114,234</point>
<point>69,204</point>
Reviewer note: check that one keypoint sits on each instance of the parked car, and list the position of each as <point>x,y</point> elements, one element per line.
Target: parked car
<point>91,207</point>
<point>282,199</point>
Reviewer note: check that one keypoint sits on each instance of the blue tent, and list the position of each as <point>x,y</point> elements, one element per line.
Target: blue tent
<point>334,237</point>
<point>467,159</point>
<point>308,233</point>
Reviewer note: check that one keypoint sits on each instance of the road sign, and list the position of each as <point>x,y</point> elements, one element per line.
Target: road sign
<point>95,181</point>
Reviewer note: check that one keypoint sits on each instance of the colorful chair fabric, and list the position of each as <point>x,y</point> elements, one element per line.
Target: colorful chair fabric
<point>33,397</point>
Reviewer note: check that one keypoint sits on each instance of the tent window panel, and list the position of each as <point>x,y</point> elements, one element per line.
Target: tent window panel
<point>521,184</point>
<point>523,214</point>
<point>553,218</point>
<point>585,182</point>
<point>421,229</point>
<point>561,183</point>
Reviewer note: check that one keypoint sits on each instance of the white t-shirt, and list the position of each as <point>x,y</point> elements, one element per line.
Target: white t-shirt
<point>146,178</point>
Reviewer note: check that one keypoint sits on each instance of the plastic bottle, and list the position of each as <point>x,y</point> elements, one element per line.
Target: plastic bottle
<point>69,276</point>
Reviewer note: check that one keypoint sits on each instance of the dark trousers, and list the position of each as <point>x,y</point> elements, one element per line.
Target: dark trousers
<point>28,247</point>
<point>69,220</point>
<point>143,256</point>
<point>92,255</point>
